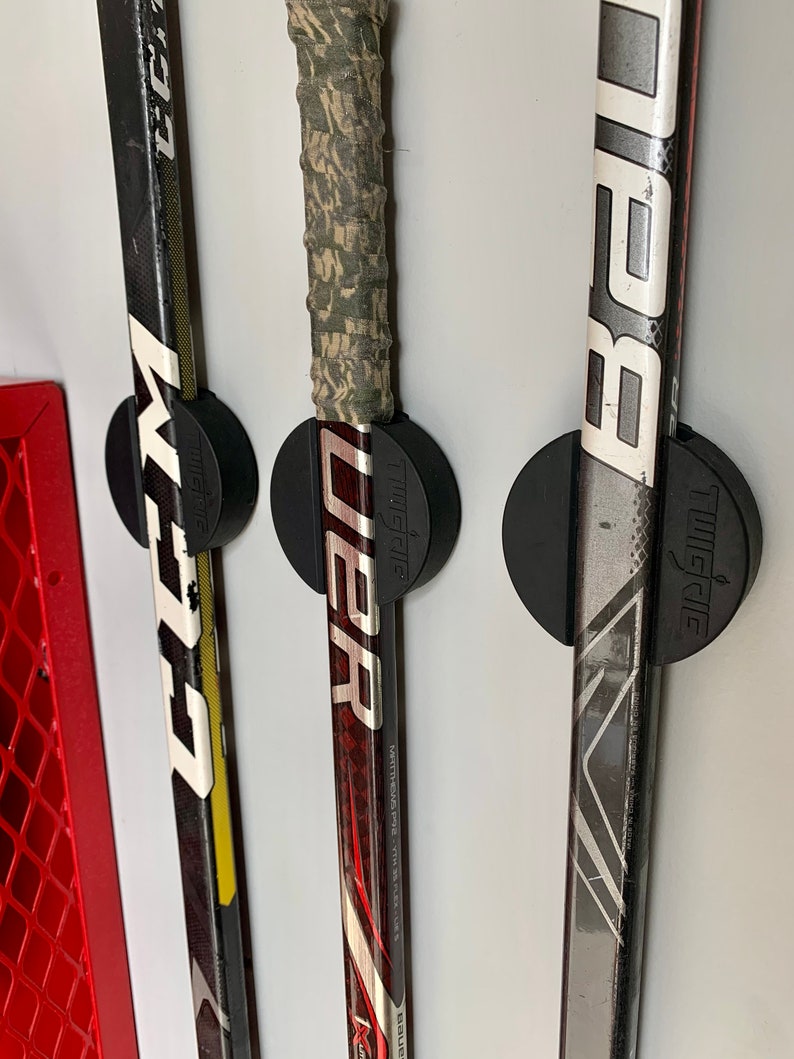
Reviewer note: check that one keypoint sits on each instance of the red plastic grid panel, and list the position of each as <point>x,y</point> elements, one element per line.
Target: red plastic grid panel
<point>50,973</point>
<point>46,1003</point>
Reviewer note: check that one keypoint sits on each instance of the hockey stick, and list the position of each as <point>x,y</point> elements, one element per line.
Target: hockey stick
<point>364,503</point>
<point>171,481</point>
<point>652,536</point>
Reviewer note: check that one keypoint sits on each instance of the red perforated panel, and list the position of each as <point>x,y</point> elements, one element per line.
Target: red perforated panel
<point>51,765</point>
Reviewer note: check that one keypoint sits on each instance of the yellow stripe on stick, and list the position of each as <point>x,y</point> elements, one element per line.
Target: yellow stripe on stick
<point>219,798</point>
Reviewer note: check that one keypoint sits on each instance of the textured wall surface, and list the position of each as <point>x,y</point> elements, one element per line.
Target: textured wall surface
<point>491,125</point>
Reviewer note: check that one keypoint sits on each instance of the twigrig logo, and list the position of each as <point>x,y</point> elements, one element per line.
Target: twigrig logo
<point>195,483</point>
<point>396,521</point>
<point>698,562</point>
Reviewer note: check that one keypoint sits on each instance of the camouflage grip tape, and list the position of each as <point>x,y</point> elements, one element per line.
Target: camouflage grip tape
<point>339,71</point>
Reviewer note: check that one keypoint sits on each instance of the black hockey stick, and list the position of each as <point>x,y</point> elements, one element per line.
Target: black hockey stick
<point>645,537</point>
<point>183,477</point>
<point>365,504</point>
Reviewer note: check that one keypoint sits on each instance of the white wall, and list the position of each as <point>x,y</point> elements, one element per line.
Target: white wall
<point>492,121</point>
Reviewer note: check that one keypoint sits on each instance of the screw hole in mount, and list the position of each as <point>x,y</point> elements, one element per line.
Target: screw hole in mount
<point>54,578</point>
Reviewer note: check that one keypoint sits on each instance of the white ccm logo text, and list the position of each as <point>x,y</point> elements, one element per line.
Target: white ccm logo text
<point>159,77</point>
<point>153,358</point>
<point>634,186</point>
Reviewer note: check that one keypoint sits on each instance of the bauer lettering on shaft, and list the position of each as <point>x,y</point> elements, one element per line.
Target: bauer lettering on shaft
<point>364,503</point>
<point>644,537</point>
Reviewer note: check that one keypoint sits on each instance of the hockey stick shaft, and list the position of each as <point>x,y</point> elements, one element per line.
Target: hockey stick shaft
<point>140,102</point>
<point>339,94</point>
<point>645,115</point>
<point>366,752</point>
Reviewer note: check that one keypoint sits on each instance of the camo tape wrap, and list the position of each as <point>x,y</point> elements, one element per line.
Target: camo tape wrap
<point>339,71</point>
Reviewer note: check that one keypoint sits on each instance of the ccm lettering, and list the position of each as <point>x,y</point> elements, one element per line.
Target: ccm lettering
<point>160,81</point>
<point>174,572</point>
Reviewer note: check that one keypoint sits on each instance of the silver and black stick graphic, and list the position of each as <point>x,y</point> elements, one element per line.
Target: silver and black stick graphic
<point>634,540</point>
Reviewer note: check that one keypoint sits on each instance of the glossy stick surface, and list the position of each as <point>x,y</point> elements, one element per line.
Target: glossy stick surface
<point>366,753</point>
<point>138,77</point>
<point>645,104</point>
<point>339,94</point>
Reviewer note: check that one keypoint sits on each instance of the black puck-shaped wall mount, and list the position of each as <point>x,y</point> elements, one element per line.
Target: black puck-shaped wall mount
<point>708,542</point>
<point>217,469</point>
<point>416,506</point>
